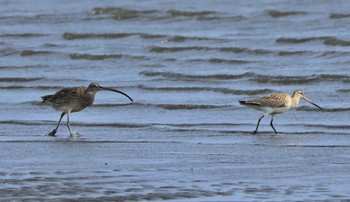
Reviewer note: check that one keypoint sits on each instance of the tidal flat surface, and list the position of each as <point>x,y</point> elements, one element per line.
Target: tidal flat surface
<point>186,64</point>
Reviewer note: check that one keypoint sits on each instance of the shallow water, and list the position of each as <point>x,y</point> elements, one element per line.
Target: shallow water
<point>186,64</point>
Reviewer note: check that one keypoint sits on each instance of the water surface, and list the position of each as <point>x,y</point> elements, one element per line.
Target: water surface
<point>186,64</point>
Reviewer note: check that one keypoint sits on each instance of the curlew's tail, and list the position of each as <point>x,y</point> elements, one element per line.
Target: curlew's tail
<point>45,98</point>
<point>242,102</point>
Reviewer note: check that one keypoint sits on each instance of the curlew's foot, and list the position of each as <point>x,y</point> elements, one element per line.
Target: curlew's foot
<point>254,132</point>
<point>72,133</point>
<point>53,133</point>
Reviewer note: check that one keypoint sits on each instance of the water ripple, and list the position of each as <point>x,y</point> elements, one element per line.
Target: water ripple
<point>259,78</point>
<point>327,40</point>
<point>212,89</point>
<point>278,14</point>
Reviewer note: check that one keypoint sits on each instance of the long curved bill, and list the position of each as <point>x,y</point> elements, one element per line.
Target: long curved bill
<point>309,101</point>
<point>117,91</point>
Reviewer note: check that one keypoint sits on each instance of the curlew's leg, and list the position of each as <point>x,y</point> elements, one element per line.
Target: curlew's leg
<point>68,126</point>
<point>257,126</point>
<point>53,132</point>
<point>272,125</point>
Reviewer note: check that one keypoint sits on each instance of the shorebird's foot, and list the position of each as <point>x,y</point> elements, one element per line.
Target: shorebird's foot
<point>72,134</point>
<point>254,132</point>
<point>53,133</point>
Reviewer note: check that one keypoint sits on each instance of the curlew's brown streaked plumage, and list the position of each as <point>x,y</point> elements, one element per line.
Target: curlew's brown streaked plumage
<point>276,103</point>
<point>74,99</point>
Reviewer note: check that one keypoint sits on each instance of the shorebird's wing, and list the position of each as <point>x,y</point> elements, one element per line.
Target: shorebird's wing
<point>273,100</point>
<point>66,95</point>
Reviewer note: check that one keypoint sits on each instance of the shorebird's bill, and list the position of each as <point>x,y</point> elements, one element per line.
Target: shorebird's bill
<point>309,101</point>
<point>117,91</point>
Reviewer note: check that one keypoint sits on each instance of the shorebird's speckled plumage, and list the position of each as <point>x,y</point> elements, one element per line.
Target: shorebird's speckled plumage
<point>71,99</point>
<point>275,104</point>
<point>273,100</point>
<point>74,99</point>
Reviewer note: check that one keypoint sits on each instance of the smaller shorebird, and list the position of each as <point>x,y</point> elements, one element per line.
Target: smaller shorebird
<point>276,103</point>
<point>74,99</point>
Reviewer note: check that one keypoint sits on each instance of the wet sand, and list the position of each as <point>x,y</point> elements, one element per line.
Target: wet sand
<point>187,166</point>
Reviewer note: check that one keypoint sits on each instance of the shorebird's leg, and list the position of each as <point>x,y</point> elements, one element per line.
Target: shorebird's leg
<point>257,126</point>
<point>272,125</point>
<point>53,132</point>
<point>68,126</point>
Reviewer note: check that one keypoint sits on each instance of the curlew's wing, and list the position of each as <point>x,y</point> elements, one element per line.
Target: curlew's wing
<point>64,96</point>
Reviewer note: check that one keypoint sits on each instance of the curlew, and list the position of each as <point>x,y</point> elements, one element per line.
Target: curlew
<point>276,103</point>
<point>74,99</point>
